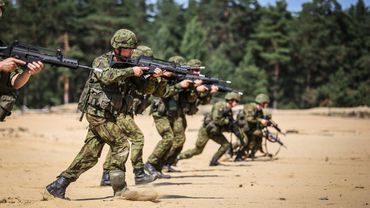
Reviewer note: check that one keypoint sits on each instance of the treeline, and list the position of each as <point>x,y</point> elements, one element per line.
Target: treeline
<point>317,57</point>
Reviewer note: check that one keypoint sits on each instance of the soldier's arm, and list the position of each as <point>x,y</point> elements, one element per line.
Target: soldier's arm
<point>218,115</point>
<point>250,114</point>
<point>161,87</point>
<point>110,75</point>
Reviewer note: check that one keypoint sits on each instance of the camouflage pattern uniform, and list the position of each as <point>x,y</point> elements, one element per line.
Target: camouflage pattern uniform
<point>170,122</point>
<point>7,92</point>
<point>103,101</point>
<point>214,125</point>
<point>252,116</point>
<point>137,89</point>
<point>190,100</point>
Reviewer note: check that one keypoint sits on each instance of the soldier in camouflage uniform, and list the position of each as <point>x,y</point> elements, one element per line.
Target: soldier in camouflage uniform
<point>103,101</point>
<point>11,78</point>
<point>170,122</point>
<point>215,123</point>
<point>135,136</point>
<point>190,101</point>
<point>253,118</point>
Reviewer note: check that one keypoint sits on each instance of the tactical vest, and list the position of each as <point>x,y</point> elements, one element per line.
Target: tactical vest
<point>7,96</point>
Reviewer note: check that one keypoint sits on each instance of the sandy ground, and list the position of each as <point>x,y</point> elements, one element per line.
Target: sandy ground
<point>326,164</point>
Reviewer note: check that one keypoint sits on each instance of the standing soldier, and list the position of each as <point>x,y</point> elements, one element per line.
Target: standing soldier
<point>170,122</point>
<point>137,90</point>
<point>254,118</point>
<point>102,100</point>
<point>189,101</point>
<point>12,79</point>
<point>215,123</point>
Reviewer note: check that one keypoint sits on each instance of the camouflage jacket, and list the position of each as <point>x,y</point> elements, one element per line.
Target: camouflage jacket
<point>252,115</point>
<point>103,94</point>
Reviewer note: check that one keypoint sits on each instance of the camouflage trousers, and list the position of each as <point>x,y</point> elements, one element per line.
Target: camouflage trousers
<point>136,138</point>
<point>101,131</point>
<point>172,131</point>
<point>203,137</point>
<point>255,142</point>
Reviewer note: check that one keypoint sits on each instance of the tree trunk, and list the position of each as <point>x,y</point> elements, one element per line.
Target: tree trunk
<point>65,76</point>
<point>275,88</point>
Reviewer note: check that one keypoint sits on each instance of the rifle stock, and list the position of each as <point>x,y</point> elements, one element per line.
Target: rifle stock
<point>30,53</point>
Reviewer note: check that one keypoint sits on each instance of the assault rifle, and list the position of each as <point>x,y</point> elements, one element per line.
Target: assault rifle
<point>152,63</point>
<point>209,81</point>
<point>233,127</point>
<point>271,137</point>
<point>273,124</point>
<point>29,54</point>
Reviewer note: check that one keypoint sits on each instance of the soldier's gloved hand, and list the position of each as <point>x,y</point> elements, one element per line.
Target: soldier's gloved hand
<point>185,83</point>
<point>139,70</point>
<point>10,64</point>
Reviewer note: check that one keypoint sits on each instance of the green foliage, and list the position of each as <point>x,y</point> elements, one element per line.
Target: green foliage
<point>319,56</point>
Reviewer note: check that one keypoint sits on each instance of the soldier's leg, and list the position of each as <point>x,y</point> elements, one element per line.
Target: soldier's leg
<point>219,138</point>
<point>136,137</point>
<point>155,160</point>
<point>179,127</point>
<point>85,159</point>
<point>199,145</point>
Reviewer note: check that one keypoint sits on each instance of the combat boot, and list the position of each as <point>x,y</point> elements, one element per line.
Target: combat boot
<point>170,169</point>
<point>58,187</point>
<point>118,183</point>
<point>105,181</point>
<point>214,162</point>
<point>153,171</point>
<point>142,178</point>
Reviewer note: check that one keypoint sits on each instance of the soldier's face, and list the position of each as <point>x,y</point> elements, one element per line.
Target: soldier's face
<point>232,103</point>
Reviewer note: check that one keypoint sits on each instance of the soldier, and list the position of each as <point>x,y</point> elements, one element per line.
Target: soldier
<point>190,101</point>
<point>253,117</point>
<point>215,123</point>
<point>12,79</point>
<point>170,122</point>
<point>102,100</point>
<point>138,89</point>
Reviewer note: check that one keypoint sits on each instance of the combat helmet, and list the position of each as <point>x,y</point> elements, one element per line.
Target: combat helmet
<point>262,98</point>
<point>124,38</point>
<point>142,50</point>
<point>177,60</point>
<point>232,96</point>
<point>194,63</point>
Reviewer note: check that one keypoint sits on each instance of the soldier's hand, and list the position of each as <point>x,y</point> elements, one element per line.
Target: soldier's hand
<point>202,88</point>
<point>158,72</point>
<point>167,74</point>
<point>35,67</point>
<point>264,122</point>
<point>10,64</point>
<point>214,89</point>
<point>198,82</point>
<point>185,83</point>
<point>139,70</point>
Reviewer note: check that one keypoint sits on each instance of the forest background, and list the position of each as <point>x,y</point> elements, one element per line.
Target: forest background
<point>319,56</point>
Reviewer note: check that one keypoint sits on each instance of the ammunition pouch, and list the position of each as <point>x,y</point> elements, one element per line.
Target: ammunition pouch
<point>6,105</point>
<point>106,98</point>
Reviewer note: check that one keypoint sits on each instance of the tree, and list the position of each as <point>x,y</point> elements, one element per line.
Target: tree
<point>193,44</point>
